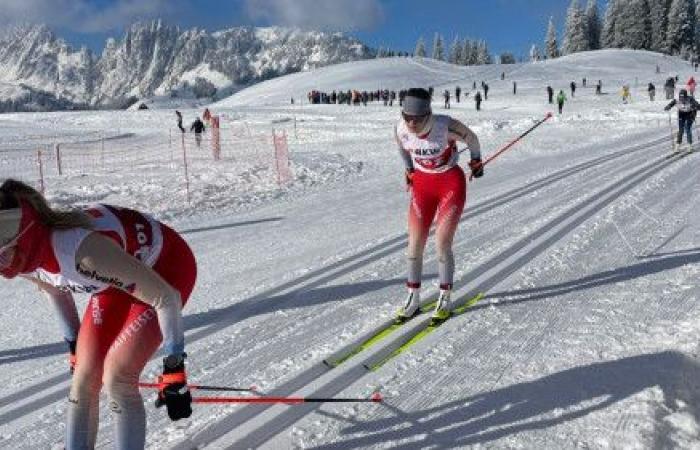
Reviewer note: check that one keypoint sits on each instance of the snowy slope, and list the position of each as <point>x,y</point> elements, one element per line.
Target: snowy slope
<point>583,238</point>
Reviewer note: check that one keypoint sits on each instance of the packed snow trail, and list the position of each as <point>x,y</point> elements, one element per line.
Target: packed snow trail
<point>271,422</point>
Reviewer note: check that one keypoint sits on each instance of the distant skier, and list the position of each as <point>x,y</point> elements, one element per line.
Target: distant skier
<point>446,95</point>
<point>687,110</point>
<point>486,91</point>
<point>572,85</point>
<point>584,81</point>
<point>670,88</point>
<point>599,88</point>
<point>428,146</point>
<point>651,89</point>
<point>550,94</point>
<point>626,95</point>
<point>179,121</point>
<point>477,100</point>
<point>139,273</point>
<point>198,128</point>
<point>691,86</point>
<point>206,116</point>
<point>458,92</point>
<point>515,88</point>
<point>561,98</point>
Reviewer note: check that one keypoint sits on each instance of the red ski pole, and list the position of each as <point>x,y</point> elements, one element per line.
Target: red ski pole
<point>375,398</point>
<point>515,141</point>
<point>202,387</point>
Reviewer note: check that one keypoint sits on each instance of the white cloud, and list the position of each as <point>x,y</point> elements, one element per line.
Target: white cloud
<point>341,15</point>
<point>81,15</point>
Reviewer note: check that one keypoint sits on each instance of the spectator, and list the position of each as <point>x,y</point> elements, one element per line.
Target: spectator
<point>561,98</point>
<point>198,128</point>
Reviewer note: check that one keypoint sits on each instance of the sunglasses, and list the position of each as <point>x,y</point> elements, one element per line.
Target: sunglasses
<point>6,255</point>
<point>409,118</point>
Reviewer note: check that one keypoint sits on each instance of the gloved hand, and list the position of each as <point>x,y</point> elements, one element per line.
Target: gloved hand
<point>72,361</point>
<point>409,176</point>
<point>477,168</point>
<point>172,390</point>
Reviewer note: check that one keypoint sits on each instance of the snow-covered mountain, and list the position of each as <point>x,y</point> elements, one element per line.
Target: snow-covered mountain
<point>38,70</point>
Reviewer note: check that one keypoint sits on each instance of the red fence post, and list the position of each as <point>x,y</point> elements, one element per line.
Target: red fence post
<point>215,138</point>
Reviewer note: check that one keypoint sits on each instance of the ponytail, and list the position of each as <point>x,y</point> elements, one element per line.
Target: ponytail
<point>13,191</point>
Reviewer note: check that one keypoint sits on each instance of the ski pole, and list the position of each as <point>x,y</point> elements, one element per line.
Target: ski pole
<point>202,387</point>
<point>515,141</point>
<point>375,398</point>
<point>670,127</point>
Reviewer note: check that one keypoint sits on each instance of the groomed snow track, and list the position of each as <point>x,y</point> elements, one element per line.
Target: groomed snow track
<point>255,426</point>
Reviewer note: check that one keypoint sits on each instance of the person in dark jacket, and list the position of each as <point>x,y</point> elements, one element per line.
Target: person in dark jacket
<point>573,88</point>
<point>477,99</point>
<point>687,110</point>
<point>550,94</point>
<point>651,89</point>
<point>198,128</point>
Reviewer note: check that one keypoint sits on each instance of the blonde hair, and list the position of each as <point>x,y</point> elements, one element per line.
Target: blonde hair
<point>12,191</point>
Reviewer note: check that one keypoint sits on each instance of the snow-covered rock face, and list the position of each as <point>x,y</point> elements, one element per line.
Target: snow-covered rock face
<point>154,58</point>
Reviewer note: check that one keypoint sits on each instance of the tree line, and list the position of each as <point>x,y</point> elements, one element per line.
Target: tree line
<point>666,26</point>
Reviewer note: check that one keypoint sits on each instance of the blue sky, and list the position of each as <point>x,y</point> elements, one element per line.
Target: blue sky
<point>507,25</point>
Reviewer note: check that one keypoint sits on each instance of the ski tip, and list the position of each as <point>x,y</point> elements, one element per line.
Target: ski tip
<point>377,397</point>
<point>253,388</point>
<point>549,114</point>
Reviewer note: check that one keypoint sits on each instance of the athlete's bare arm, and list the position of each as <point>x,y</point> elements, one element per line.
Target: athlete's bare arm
<point>105,258</point>
<point>460,132</point>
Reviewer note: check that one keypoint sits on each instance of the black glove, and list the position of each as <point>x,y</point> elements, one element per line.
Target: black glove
<point>172,390</point>
<point>477,168</point>
<point>71,354</point>
<point>409,177</point>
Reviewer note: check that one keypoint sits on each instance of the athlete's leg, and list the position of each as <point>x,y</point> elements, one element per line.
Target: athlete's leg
<point>102,321</point>
<point>420,216</point>
<point>131,350</point>
<point>448,215</point>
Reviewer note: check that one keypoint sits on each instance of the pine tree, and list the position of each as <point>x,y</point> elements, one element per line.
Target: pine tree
<point>680,35</point>
<point>438,49</point>
<point>550,44</point>
<point>474,53</point>
<point>420,48</point>
<point>482,54</point>
<point>659,24</point>
<point>535,53</point>
<point>466,52</point>
<point>633,28</point>
<point>609,35</point>
<point>456,51</point>
<point>576,36</point>
<point>593,23</point>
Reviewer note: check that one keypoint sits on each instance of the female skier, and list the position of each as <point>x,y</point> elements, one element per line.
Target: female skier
<point>428,145</point>
<point>139,273</point>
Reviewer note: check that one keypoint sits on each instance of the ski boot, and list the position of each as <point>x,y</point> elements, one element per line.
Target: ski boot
<point>443,308</point>
<point>411,306</point>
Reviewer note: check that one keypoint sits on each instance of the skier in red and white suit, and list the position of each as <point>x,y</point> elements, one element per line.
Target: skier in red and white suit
<point>428,145</point>
<point>139,272</point>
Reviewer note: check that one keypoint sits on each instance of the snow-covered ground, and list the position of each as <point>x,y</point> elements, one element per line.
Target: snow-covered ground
<point>583,237</point>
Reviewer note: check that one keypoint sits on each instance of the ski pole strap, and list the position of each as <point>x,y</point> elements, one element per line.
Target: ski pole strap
<point>172,378</point>
<point>202,387</point>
